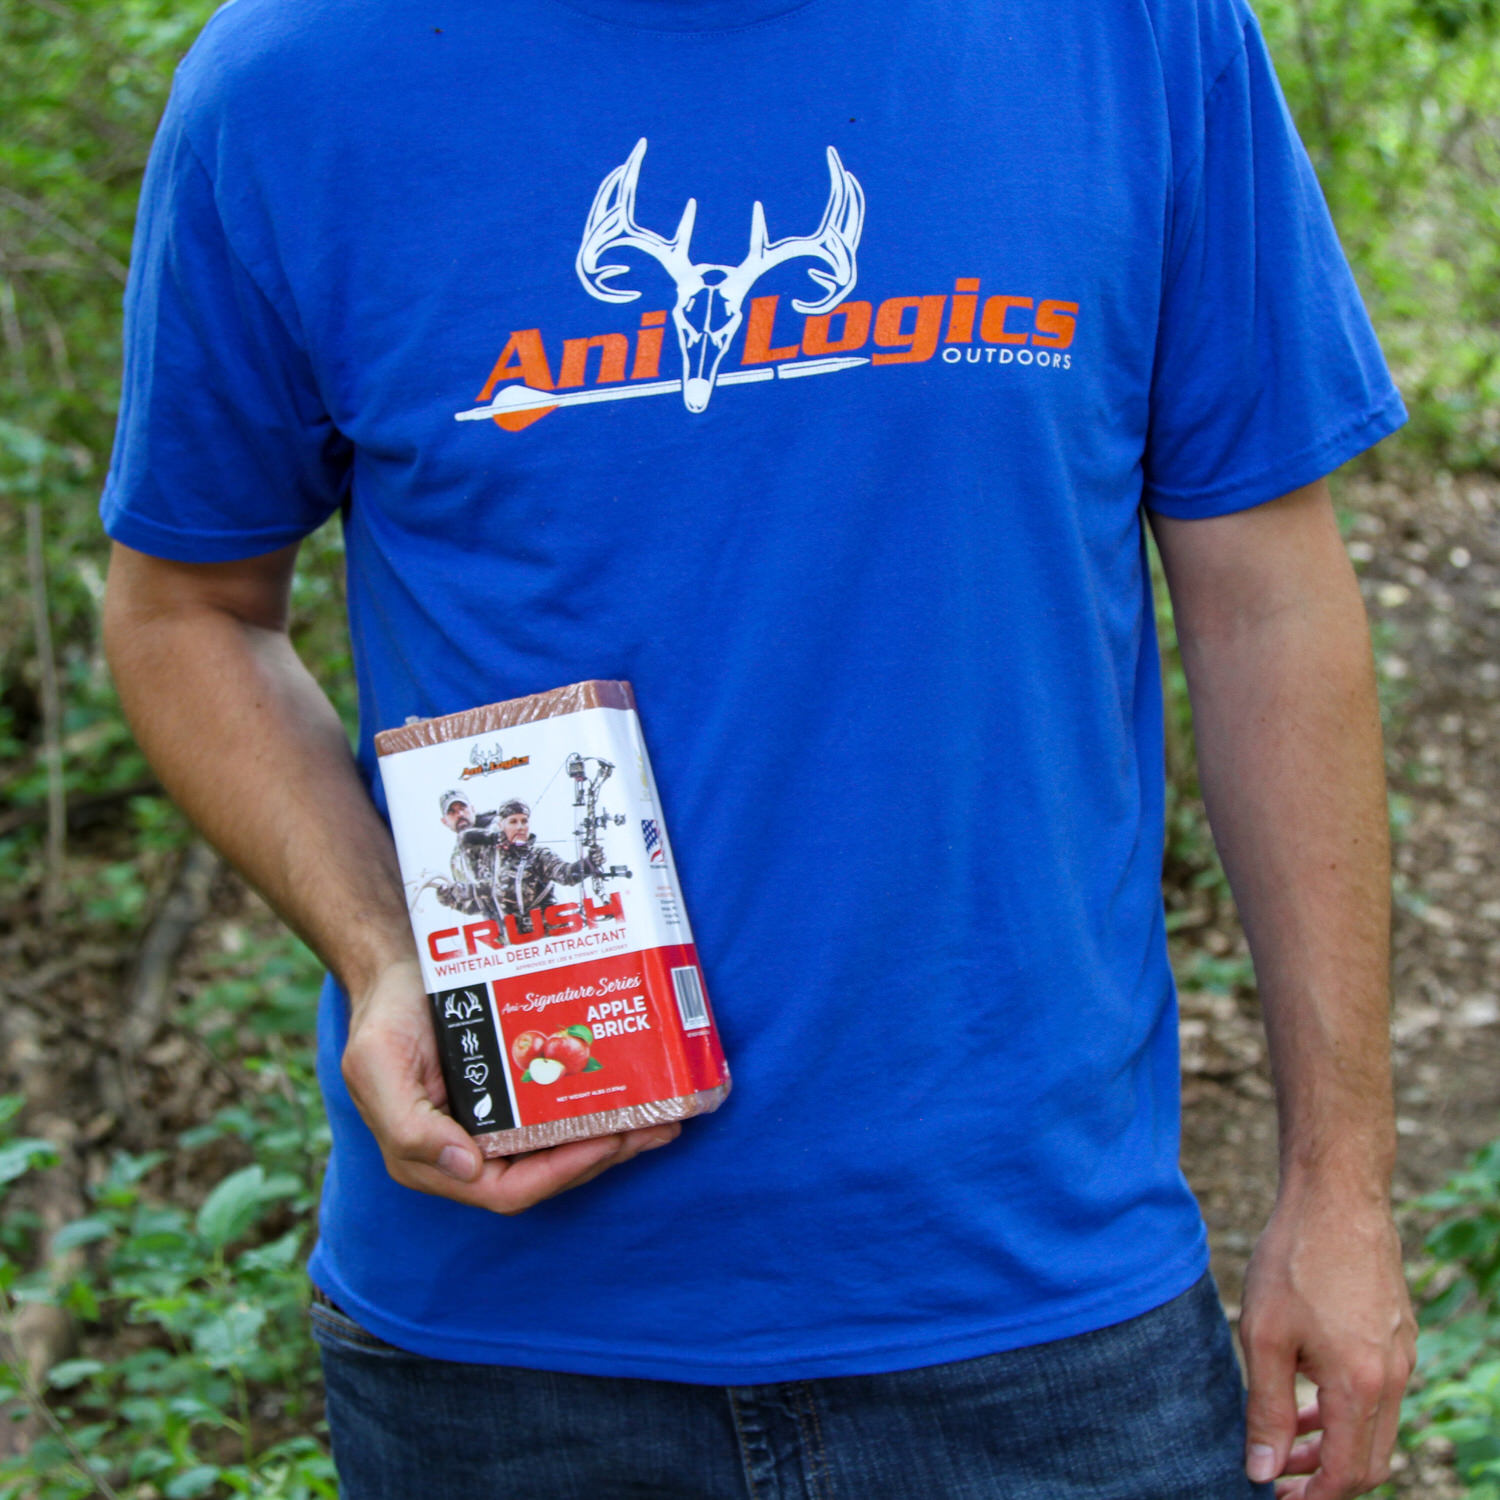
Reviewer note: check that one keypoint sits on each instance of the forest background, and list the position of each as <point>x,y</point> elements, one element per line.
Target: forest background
<point>161,1136</point>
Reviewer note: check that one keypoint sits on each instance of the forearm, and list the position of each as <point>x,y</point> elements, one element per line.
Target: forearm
<point>249,746</point>
<point>1290,760</point>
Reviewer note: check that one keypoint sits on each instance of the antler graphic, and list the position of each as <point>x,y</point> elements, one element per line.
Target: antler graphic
<point>710,298</point>
<point>834,244</point>
<point>611,225</point>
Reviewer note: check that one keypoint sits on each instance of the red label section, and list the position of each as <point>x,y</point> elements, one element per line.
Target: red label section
<point>607,1033</point>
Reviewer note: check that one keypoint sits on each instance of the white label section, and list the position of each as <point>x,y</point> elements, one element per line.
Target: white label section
<point>473,873</point>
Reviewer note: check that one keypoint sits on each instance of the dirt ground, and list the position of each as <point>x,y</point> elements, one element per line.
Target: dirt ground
<point>1430,571</point>
<point>1429,559</point>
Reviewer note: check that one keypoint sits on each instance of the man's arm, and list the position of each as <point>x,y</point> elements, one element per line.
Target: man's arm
<point>251,749</point>
<point>1277,653</point>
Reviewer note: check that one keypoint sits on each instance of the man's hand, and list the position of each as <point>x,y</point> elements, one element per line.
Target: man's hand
<point>1325,1297</point>
<point>392,1070</point>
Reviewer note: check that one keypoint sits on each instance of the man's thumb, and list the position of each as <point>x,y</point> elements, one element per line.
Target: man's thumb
<point>417,1133</point>
<point>439,1139</point>
<point>1271,1412</point>
<point>457,1163</point>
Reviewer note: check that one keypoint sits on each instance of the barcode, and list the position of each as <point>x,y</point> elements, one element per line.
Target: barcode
<point>691,1005</point>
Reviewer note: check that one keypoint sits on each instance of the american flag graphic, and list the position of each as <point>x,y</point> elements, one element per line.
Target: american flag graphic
<point>652,836</point>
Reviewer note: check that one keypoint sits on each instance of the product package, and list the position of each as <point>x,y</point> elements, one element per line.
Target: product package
<point>565,988</point>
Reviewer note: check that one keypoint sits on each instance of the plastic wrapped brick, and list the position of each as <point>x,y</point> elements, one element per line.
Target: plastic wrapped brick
<point>565,987</point>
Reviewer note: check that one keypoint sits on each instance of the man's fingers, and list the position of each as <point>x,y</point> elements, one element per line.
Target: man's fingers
<point>1271,1412</point>
<point>1340,1466</point>
<point>1387,1423</point>
<point>1304,1457</point>
<point>1309,1418</point>
<point>1349,1412</point>
<point>511,1187</point>
<point>1388,1419</point>
<point>544,1174</point>
<point>492,1189</point>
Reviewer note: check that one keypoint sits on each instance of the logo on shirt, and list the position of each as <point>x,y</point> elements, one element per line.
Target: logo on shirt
<point>708,312</point>
<point>710,298</point>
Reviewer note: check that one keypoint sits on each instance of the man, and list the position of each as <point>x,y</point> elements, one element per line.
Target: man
<point>457,815</point>
<point>472,889</point>
<point>499,867</point>
<point>858,509</point>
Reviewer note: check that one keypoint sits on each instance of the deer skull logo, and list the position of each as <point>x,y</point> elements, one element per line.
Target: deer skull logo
<point>707,313</point>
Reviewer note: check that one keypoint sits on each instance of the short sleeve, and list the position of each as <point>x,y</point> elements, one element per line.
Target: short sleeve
<point>1267,375</point>
<point>224,448</point>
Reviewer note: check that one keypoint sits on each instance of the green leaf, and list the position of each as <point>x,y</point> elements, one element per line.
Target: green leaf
<point>71,1372</point>
<point>195,1481</point>
<point>278,1255</point>
<point>582,1032</point>
<point>236,1203</point>
<point>593,1065</point>
<point>149,1462</point>
<point>229,1339</point>
<point>81,1301</point>
<point>196,1409</point>
<point>81,1232</point>
<point>526,1077</point>
<point>121,1187</point>
<point>19,1157</point>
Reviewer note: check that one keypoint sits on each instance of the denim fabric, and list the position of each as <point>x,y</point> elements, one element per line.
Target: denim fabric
<point>1149,1409</point>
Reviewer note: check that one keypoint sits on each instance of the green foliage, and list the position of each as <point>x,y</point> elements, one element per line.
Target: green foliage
<point>1398,101</point>
<point>81,89</point>
<point>1458,1349</point>
<point>200,1309</point>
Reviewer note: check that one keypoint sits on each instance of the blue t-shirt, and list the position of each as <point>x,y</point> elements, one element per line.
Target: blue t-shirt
<point>845,472</point>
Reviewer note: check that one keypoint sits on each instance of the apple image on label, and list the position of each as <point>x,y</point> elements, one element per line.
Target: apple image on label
<point>571,1051</point>
<point>545,1070</point>
<point>527,1046</point>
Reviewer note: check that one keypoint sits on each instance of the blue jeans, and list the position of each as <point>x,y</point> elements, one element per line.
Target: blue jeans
<point>1149,1409</point>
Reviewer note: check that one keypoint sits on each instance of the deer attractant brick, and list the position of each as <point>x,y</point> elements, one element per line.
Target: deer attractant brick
<point>565,988</point>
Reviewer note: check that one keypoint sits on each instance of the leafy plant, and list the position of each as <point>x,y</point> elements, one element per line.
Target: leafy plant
<point>1397,101</point>
<point>1457,1400</point>
<point>199,1376</point>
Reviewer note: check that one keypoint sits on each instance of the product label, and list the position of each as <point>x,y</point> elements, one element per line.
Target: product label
<point>549,922</point>
<point>606,1033</point>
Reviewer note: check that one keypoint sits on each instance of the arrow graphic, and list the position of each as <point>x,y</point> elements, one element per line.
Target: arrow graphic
<point>799,367</point>
<point>523,398</point>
